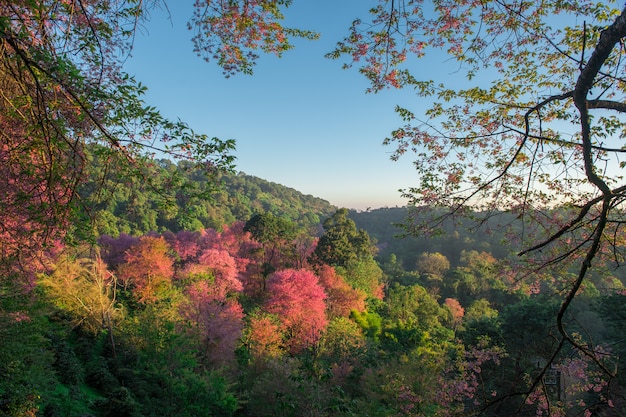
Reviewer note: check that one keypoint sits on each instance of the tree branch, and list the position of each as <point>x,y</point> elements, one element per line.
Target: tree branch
<point>607,104</point>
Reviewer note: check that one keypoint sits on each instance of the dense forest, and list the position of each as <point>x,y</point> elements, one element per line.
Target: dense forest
<point>174,197</point>
<point>275,312</point>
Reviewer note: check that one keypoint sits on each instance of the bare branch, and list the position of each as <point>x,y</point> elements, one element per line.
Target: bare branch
<point>607,104</point>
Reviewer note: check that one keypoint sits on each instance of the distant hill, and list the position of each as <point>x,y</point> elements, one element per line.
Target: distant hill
<point>384,225</point>
<point>159,203</point>
<point>249,195</point>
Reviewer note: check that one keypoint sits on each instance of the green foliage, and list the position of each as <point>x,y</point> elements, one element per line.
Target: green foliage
<point>413,320</point>
<point>266,228</point>
<point>41,369</point>
<point>342,242</point>
<point>27,376</point>
<point>363,274</point>
<point>612,309</point>
<point>285,390</point>
<point>343,341</point>
<point>385,360</point>
<point>538,121</point>
<point>67,365</point>
<point>98,375</point>
<point>118,402</point>
<point>432,265</point>
<point>351,252</point>
<point>277,237</point>
<point>390,228</point>
<point>161,374</point>
<point>483,330</point>
<point>479,309</point>
<point>87,342</point>
<point>167,196</point>
<point>529,327</point>
<point>370,322</point>
<point>395,272</point>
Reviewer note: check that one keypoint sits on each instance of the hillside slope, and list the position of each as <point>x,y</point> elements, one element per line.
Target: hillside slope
<point>162,202</point>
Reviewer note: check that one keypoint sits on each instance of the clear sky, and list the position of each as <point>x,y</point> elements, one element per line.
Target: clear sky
<point>300,121</point>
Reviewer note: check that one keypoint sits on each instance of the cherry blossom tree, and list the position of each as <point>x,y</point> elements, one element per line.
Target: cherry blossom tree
<point>231,32</point>
<point>212,283</point>
<point>297,298</point>
<point>239,244</point>
<point>456,310</point>
<point>186,244</point>
<point>342,298</point>
<point>113,250</point>
<point>216,322</point>
<point>223,268</point>
<point>148,269</point>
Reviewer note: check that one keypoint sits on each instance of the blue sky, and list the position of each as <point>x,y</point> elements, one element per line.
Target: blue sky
<point>300,120</point>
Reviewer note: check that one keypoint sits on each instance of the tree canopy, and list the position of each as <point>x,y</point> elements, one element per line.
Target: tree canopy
<point>538,121</point>
<point>342,241</point>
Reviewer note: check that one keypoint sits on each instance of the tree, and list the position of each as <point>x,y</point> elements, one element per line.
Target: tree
<point>26,355</point>
<point>342,298</point>
<point>232,32</point>
<point>63,89</point>
<point>341,347</point>
<point>476,277</point>
<point>351,251</point>
<point>185,244</point>
<point>263,337</point>
<point>538,123</point>
<point>266,228</point>
<point>413,319</point>
<point>434,265</point>
<point>276,235</point>
<point>364,275</point>
<point>216,322</point>
<point>242,249</point>
<point>297,298</point>
<point>85,289</point>
<point>456,311</point>
<point>223,268</point>
<point>342,241</point>
<point>148,269</point>
<point>479,309</point>
<point>113,250</point>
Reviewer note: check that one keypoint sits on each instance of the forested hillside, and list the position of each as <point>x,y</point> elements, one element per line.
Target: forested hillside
<point>387,227</point>
<point>176,197</point>
<point>267,315</point>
